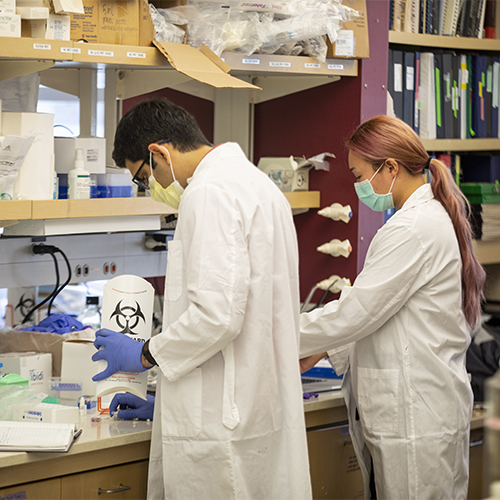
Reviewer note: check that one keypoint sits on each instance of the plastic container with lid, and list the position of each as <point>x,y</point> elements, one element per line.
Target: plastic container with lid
<point>91,315</point>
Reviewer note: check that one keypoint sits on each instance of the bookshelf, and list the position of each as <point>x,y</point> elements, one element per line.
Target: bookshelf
<point>444,42</point>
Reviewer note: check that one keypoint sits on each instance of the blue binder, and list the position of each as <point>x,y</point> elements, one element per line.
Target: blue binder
<point>478,115</point>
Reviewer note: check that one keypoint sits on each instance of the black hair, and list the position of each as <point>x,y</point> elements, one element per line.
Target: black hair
<point>152,121</point>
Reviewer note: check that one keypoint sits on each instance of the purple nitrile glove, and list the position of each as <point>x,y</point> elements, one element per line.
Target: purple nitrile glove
<point>132,406</point>
<point>122,353</point>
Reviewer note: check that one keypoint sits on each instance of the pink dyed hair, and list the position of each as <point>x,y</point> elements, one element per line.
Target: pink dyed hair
<point>384,137</point>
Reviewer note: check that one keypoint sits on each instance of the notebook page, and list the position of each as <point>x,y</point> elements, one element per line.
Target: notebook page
<point>32,434</point>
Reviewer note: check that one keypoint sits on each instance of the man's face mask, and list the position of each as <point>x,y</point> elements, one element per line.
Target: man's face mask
<point>170,195</point>
<point>366,194</point>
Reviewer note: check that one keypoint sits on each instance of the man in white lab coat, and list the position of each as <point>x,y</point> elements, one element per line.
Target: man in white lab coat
<point>228,418</point>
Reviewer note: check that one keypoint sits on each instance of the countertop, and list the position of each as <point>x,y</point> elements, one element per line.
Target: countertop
<point>111,433</point>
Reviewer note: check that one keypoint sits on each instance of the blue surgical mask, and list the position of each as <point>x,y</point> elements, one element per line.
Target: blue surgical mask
<point>366,194</point>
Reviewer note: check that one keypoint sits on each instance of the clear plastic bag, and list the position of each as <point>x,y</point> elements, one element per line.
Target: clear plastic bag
<point>14,396</point>
<point>165,31</point>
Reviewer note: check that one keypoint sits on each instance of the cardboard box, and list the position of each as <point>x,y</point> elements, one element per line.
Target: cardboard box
<point>77,364</point>
<point>33,12</point>
<point>7,6</point>
<point>68,6</point>
<point>36,177</point>
<point>10,25</point>
<point>94,153</point>
<point>45,412</point>
<point>121,22</point>
<point>352,41</point>
<point>37,367</point>
<point>289,174</point>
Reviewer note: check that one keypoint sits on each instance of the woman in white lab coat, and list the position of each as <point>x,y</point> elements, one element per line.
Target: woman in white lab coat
<point>400,333</point>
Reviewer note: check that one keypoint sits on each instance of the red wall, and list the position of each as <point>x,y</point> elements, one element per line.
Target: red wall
<point>201,109</point>
<point>303,124</point>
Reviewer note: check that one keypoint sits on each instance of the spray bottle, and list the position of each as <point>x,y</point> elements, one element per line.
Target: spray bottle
<point>78,179</point>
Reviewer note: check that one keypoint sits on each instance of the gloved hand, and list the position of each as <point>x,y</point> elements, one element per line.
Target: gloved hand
<point>131,406</point>
<point>122,353</point>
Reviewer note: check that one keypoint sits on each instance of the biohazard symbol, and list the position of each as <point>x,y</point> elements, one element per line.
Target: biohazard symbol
<point>25,304</point>
<point>127,317</point>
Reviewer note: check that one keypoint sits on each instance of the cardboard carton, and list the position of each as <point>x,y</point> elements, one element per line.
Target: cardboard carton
<point>37,367</point>
<point>36,177</point>
<point>352,41</point>
<point>121,22</point>
<point>288,173</point>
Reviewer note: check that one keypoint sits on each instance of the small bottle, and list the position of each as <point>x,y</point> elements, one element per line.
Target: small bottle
<point>78,179</point>
<point>91,316</point>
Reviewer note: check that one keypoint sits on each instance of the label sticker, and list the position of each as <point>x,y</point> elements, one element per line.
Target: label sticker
<point>344,45</point>
<point>280,64</point>
<point>137,55</point>
<point>250,61</point>
<point>42,46</point>
<point>70,50</point>
<point>336,66</point>
<point>312,65</point>
<point>103,53</point>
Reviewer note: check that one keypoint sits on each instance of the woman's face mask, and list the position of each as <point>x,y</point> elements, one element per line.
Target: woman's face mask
<point>366,194</point>
<point>170,195</point>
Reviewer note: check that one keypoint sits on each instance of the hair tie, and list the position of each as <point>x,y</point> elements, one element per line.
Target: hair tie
<point>427,163</point>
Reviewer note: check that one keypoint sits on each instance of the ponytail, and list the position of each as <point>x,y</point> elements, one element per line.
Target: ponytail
<point>384,137</point>
<point>457,206</point>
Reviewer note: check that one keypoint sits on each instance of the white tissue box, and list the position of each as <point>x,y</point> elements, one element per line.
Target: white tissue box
<point>289,174</point>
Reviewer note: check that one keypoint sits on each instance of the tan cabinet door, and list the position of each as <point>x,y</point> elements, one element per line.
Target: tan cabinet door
<point>49,489</point>
<point>123,482</point>
<point>335,472</point>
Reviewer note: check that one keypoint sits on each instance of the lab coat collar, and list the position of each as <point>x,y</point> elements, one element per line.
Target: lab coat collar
<point>220,151</point>
<point>422,195</point>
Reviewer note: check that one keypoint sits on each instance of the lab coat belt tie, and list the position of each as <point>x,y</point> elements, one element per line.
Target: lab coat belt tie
<point>230,414</point>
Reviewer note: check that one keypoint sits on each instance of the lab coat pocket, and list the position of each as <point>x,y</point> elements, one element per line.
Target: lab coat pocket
<point>173,282</point>
<point>181,405</point>
<point>378,400</point>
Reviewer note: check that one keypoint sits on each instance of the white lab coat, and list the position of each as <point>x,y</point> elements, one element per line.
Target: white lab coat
<point>229,420</point>
<point>400,336</point>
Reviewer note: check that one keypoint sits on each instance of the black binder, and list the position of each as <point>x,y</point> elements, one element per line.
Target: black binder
<point>438,82</point>
<point>447,94</point>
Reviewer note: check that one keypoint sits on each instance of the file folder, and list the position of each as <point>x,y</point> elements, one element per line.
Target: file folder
<point>447,95</point>
<point>427,96</point>
<point>416,104</point>
<point>438,82</point>
<point>479,68</point>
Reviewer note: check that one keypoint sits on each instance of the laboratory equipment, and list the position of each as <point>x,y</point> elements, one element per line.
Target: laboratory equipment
<point>337,212</point>
<point>91,316</point>
<point>336,247</point>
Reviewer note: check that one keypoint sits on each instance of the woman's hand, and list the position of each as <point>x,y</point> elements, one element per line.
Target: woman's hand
<point>310,361</point>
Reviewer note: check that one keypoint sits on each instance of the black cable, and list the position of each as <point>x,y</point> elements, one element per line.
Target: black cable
<point>54,295</point>
<point>324,296</point>
<point>40,304</point>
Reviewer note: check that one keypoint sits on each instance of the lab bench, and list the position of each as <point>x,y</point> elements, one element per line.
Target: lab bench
<point>111,457</point>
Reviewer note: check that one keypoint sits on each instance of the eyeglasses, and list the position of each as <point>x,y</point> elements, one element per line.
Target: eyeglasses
<point>139,182</point>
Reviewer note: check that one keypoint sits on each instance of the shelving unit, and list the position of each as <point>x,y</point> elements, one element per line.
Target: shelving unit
<point>114,207</point>
<point>444,42</point>
<point>457,145</point>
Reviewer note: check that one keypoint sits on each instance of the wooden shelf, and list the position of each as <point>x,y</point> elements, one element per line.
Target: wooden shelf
<point>488,252</point>
<point>303,199</point>
<point>105,207</point>
<point>275,64</point>
<point>114,207</point>
<point>78,54</point>
<point>15,210</point>
<point>461,144</point>
<point>445,42</point>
